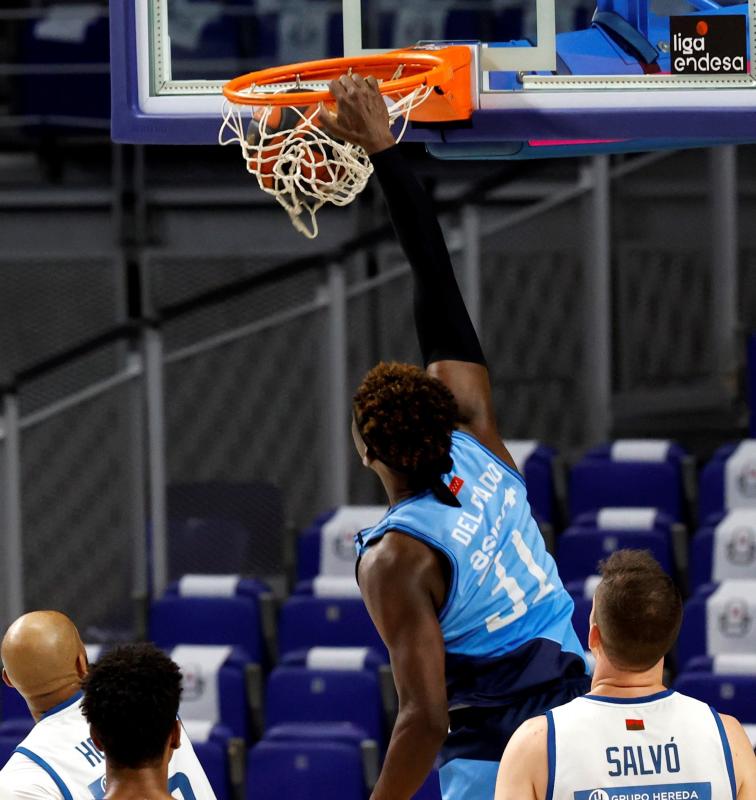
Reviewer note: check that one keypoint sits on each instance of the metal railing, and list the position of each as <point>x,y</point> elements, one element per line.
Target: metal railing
<point>144,365</point>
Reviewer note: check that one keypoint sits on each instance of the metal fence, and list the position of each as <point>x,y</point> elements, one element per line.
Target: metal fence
<point>255,385</point>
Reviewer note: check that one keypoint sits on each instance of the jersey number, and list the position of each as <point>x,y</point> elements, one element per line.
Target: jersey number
<point>515,593</point>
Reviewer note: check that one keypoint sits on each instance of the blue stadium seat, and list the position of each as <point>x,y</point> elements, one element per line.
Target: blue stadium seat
<point>726,664</point>
<point>308,547</point>
<point>629,473</point>
<point>329,586</point>
<point>692,641</point>
<point>724,548</point>
<point>583,588</point>
<point>326,546</point>
<point>718,620</point>
<point>214,686</point>
<point>580,619</point>
<point>305,771</point>
<point>307,622</point>
<point>536,462</point>
<point>729,694</point>
<point>13,706</point>
<point>595,535</point>
<point>17,727</point>
<point>222,610</point>
<point>582,595</point>
<point>343,732</point>
<point>211,744</point>
<point>300,695</point>
<point>8,743</point>
<point>715,494</point>
<point>345,657</point>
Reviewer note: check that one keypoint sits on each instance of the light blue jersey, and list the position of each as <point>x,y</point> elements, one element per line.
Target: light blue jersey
<point>507,619</point>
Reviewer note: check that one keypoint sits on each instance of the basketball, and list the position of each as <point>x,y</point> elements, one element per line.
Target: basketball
<point>294,146</point>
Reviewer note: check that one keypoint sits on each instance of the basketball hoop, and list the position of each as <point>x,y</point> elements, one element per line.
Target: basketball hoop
<point>273,115</point>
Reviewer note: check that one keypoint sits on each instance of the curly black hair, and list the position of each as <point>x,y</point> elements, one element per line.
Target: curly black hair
<point>131,699</point>
<point>406,419</point>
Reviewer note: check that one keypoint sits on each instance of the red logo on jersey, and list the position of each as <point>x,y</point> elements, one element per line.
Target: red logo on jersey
<point>635,725</point>
<point>455,485</point>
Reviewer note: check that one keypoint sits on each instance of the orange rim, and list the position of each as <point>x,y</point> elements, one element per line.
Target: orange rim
<point>434,70</point>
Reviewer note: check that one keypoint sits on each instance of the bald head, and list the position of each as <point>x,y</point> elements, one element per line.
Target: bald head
<point>44,658</point>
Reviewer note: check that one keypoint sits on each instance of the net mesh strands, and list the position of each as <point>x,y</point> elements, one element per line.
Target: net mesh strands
<point>274,116</point>
<point>298,162</point>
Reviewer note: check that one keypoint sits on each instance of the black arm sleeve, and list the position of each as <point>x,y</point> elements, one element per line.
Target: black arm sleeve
<point>444,328</point>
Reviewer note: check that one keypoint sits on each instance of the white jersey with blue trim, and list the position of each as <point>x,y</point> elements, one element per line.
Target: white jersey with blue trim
<point>59,761</point>
<point>665,746</point>
<point>507,619</point>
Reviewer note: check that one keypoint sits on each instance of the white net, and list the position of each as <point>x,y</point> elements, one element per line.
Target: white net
<point>296,161</point>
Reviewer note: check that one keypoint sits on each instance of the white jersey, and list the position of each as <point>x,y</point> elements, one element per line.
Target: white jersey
<point>662,747</point>
<point>59,760</point>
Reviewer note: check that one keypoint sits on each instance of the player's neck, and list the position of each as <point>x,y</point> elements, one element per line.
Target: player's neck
<point>396,486</point>
<point>608,681</point>
<point>42,704</point>
<point>147,783</point>
<point>399,496</point>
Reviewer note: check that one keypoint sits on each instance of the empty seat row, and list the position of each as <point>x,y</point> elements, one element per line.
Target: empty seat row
<point>725,548</point>
<point>655,473</point>
<point>314,770</point>
<point>248,518</point>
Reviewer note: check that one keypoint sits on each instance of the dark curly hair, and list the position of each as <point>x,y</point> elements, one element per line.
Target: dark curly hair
<point>131,699</point>
<point>406,419</point>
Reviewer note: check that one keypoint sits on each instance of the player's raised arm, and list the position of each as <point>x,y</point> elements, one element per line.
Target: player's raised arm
<point>448,342</point>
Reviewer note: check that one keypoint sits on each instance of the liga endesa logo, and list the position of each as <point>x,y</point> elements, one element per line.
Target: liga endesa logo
<point>708,44</point>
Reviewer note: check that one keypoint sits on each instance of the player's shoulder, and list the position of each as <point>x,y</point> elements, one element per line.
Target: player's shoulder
<point>534,727</point>
<point>394,554</point>
<point>23,778</point>
<point>400,567</point>
<point>527,751</point>
<point>531,736</point>
<point>743,757</point>
<point>735,732</point>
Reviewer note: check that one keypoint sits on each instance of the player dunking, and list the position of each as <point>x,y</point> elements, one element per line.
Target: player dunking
<point>456,576</point>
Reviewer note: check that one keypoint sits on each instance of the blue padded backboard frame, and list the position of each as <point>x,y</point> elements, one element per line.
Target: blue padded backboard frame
<point>697,115</point>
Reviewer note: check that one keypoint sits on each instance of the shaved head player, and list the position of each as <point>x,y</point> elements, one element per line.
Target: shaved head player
<point>44,659</point>
<point>456,576</point>
<point>630,737</point>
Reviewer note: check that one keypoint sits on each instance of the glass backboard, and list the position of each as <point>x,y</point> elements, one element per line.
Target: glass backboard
<point>547,71</point>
